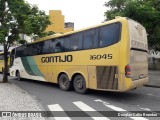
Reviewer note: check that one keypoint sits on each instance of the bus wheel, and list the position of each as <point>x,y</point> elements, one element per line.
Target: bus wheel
<point>79,84</point>
<point>18,76</point>
<point>64,82</point>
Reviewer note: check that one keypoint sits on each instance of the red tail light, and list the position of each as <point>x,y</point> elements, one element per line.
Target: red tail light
<point>128,71</point>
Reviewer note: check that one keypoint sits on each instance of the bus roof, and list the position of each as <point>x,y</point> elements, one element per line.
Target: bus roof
<point>68,33</point>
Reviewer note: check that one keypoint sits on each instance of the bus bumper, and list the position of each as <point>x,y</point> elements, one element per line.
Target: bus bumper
<point>139,83</point>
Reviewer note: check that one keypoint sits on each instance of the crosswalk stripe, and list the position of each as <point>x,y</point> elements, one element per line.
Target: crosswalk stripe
<point>85,107</point>
<point>119,109</point>
<point>57,107</point>
<point>115,108</point>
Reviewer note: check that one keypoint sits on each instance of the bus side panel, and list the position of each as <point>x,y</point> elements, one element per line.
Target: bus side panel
<point>43,70</point>
<point>104,72</point>
<point>1,65</point>
<point>104,77</point>
<point>47,70</point>
<point>92,77</point>
<point>27,69</point>
<point>2,62</point>
<point>51,73</point>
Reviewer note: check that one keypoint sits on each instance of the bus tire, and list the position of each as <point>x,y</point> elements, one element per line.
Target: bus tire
<point>79,84</point>
<point>64,82</point>
<point>18,76</point>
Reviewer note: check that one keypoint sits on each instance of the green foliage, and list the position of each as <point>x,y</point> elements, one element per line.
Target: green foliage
<point>116,8</point>
<point>44,34</point>
<point>147,12</point>
<point>50,33</point>
<point>18,17</point>
<point>22,42</point>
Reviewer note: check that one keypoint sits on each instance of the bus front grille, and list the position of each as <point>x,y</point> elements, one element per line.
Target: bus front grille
<point>107,77</point>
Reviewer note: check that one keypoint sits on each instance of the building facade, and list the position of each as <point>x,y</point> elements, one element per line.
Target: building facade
<point>58,24</point>
<point>154,60</point>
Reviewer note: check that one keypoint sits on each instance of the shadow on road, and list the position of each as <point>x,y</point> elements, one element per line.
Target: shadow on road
<point>131,95</point>
<point>89,91</point>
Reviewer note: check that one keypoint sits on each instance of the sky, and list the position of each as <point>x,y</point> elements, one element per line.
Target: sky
<point>83,13</point>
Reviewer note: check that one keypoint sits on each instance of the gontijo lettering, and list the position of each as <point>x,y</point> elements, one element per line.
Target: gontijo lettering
<point>53,59</point>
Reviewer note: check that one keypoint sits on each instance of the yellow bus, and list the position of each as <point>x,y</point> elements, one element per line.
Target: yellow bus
<point>111,56</point>
<point>2,61</point>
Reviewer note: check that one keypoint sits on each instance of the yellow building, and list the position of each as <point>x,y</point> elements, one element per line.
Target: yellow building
<point>58,25</point>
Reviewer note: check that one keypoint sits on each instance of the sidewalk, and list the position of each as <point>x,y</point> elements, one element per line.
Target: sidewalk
<point>12,98</point>
<point>154,78</point>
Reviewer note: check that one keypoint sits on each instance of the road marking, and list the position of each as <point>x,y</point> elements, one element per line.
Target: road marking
<point>115,108</point>
<point>153,95</point>
<point>56,107</point>
<point>98,100</point>
<point>85,107</point>
<point>146,109</point>
<point>119,109</point>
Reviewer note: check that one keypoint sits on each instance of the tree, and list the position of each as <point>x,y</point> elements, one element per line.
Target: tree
<point>18,17</point>
<point>22,41</point>
<point>147,12</point>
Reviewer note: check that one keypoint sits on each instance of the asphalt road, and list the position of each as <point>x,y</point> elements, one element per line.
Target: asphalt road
<point>52,98</point>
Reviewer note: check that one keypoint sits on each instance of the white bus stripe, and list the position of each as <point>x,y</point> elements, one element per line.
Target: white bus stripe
<point>85,107</point>
<point>57,107</point>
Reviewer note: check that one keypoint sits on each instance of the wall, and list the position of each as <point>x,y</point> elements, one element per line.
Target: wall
<point>57,20</point>
<point>154,60</point>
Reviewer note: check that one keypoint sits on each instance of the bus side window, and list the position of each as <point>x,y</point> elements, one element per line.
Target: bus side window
<point>28,50</point>
<point>45,46</point>
<point>56,45</point>
<point>109,34</point>
<point>37,48</point>
<point>90,39</point>
<point>20,51</point>
<point>74,42</point>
